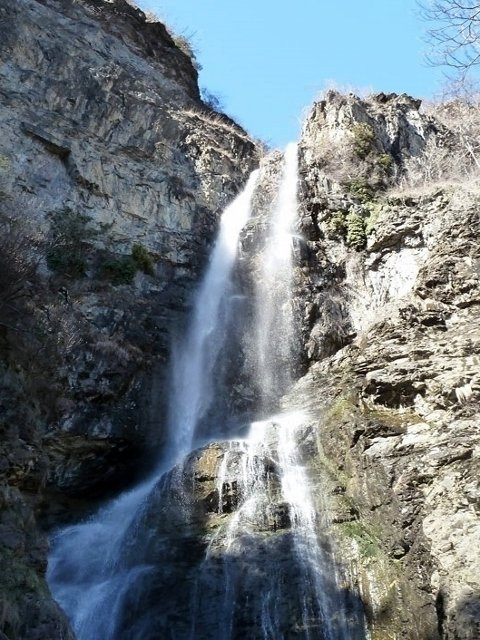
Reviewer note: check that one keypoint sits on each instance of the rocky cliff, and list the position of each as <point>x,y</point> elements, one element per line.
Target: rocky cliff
<point>398,404</point>
<point>386,290</point>
<point>386,295</point>
<point>112,175</point>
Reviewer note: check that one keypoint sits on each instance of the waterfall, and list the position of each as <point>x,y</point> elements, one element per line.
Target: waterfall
<point>195,358</point>
<point>305,592</point>
<point>274,318</point>
<point>147,566</point>
<point>86,572</point>
<point>274,487</point>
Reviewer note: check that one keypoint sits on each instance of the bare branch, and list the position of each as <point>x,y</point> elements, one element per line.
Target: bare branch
<point>455,34</point>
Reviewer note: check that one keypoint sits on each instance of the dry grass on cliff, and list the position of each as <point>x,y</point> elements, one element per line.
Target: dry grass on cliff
<point>452,160</point>
<point>212,118</point>
<point>18,266</point>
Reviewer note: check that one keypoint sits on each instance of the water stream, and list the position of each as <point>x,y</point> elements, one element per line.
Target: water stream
<point>86,572</point>
<point>136,570</point>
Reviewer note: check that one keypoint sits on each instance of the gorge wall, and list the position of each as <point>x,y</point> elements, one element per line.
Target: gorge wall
<point>113,174</point>
<point>403,394</point>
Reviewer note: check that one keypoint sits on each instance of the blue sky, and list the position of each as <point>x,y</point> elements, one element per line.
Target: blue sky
<point>268,59</point>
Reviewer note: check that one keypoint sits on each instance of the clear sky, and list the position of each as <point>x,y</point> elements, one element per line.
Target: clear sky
<point>268,59</point>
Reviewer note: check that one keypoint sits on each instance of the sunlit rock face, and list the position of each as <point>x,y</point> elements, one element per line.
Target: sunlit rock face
<point>391,325</point>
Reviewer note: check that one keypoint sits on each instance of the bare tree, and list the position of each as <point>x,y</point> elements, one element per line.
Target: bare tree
<point>18,265</point>
<point>462,117</point>
<point>455,34</point>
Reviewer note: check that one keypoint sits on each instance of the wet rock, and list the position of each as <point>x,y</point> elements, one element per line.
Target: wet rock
<point>185,535</point>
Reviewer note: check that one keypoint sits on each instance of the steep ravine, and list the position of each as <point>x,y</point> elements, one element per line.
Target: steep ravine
<point>106,146</point>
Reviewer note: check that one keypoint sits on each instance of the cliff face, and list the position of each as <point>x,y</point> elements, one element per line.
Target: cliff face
<point>112,177</point>
<point>389,310</point>
<point>386,290</point>
<point>386,293</point>
<point>104,139</point>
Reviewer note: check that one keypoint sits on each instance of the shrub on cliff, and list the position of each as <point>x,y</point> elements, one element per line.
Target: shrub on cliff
<point>184,44</point>
<point>211,100</point>
<point>385,162</point>
<point>119,270</point>
<point>363,139</point>
<point>356,231</point>
<point>18,265</point>
<point>70,234</point>
<point>143,259</point>
<point>122,269</point>
<point>360,189</point>
<point>353,226</point>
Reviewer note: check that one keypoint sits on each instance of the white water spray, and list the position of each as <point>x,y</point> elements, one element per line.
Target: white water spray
<point>271,479</point>
<point>195,359</point>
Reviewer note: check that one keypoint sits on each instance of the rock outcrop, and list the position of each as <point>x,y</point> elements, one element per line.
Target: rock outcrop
<point>389,294</point>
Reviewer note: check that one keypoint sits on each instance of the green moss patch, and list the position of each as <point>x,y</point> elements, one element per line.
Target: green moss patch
<point>367,542</point>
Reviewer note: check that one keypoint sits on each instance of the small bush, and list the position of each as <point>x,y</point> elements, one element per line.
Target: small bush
<point>68,248</point>
<point>184,44</point>
<point>62,261</point>
<point>367,542</point>
<point>143,259</point>
<point>18,266</point>
<point>356,231</point>
<point>385,162</point>
<point>360,189</point>
<point>337,225</point>
<point>119,270</point>
<point>211,100</point>
<point>363,139</point>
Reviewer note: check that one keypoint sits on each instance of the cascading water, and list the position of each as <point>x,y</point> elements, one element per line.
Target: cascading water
<point>194,360</point>
<point>147,567</point>
<point>274,317</point>
<point>302,594</point>
<point>86,572</point>
<point>275,320</point>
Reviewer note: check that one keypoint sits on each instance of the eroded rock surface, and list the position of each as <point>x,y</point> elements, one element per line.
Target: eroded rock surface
<point>397,403</point>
